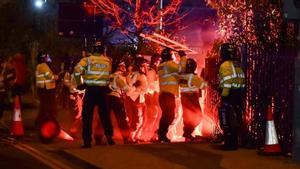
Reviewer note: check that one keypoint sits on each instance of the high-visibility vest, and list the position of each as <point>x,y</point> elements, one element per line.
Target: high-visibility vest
<point>231,76</point>
<point>95,70</point>
<point>44,76</point>
<point>190,83</point>
<point>168,73</point>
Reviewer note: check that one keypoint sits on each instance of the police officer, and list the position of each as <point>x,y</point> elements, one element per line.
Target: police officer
<point>95,71</point>
<point>168,72</point>
<point>119,87</point>
<point>232,83</point>
<point>45,83</point>
<point>190,83</point>
<point>183,61</point>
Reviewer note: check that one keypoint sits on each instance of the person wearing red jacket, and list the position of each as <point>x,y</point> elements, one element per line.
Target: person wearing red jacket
<point>21,74</point>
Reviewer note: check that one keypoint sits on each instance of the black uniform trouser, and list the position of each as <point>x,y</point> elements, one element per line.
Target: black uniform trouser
<point>231,114</point>
<point>116,104</point>
<point>47,108</point>
<point>167,105</point>
<point>191,112</point>
<point>3,96</point>
<point>95,96</point>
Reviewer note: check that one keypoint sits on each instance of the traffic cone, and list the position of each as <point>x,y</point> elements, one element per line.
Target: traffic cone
<point>65,136</point>
<point>17,125</point>
<point>271,141</point>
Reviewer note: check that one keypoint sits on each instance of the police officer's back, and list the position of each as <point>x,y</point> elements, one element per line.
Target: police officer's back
<point>232,83</point>
<point>95,71</point>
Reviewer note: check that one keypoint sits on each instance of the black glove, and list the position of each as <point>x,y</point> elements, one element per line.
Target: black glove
<point>81,87</point>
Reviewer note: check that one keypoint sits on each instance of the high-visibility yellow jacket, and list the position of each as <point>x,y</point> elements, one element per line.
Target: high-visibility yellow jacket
<point>231,77</point>
<point>95,70</point>
<point>190,83</point>
<point>44,76</point>
<point>168,73</point>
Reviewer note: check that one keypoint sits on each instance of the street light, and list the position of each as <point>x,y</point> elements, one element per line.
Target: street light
<point>39,3</point>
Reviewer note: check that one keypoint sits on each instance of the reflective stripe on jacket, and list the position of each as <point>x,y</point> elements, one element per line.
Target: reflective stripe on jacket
<point>168,77</point>
<point>94,69</point>
<point>231,77</point>
<point>44,76</point>
<point>191,83</point>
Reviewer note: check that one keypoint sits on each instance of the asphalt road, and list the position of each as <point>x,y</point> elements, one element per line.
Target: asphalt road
<point>12,158</point>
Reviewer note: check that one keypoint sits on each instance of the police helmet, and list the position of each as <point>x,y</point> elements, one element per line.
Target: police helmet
<point>48,58</point>
<point>41,57</point>
<point>98,47</point>
<point>227,51</point>
<point>155,59</point>
<point>121,62</point>
<point>140,61</point>
<point>191,65</point>
<point>181,53</point>
<point>166,55</point>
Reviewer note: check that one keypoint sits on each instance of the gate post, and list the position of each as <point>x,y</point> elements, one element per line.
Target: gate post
<point>296,117</point>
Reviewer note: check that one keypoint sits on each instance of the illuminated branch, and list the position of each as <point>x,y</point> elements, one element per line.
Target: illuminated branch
<point>248,21</point>
<point>140,13</point>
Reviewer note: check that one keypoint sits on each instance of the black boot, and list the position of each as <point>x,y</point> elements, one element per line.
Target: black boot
<point>110,141</point>
<point>86,145</point>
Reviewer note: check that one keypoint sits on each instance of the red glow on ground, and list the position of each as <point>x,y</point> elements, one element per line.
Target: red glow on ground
<point>49,130</point>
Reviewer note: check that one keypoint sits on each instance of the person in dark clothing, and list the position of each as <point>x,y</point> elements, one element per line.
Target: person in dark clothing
<point>7,77</point>
<point>95,71</point>
<point>119,87</point>
<point>232,84</point>
<point>19,65</point>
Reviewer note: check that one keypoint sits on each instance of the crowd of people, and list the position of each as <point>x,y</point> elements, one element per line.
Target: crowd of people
<point>142,93</point>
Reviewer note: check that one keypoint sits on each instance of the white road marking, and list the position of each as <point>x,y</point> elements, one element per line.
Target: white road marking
<point>48,160</point>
